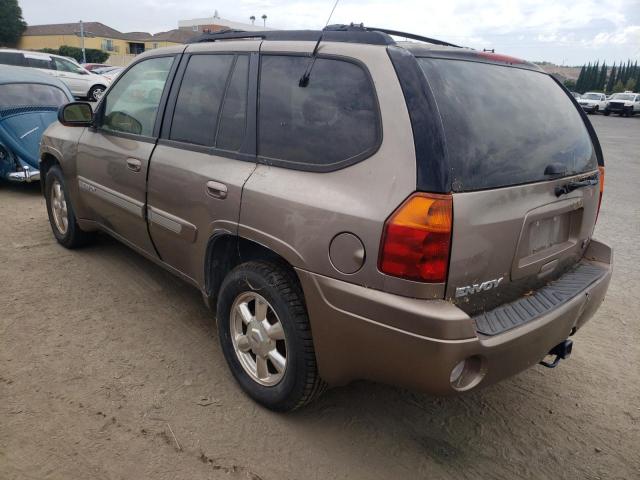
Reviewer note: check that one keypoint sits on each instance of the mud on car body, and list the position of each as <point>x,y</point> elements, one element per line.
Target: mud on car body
<point>333,194</point>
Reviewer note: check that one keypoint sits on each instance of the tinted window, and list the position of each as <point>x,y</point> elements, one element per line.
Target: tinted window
<point>234,110</point>
<point>504,125</point>
<point>27,94</point>
<point>38,61</point>
<point>132,103</point>
<point>196,114</point>
<point>11,58</point>
<point>331,121</point>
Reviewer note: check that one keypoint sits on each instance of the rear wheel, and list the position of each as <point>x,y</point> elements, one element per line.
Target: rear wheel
<point>266,337</point>
<point>606,113</point>
<point>61,215</point>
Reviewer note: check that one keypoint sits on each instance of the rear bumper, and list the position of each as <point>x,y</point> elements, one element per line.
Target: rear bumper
<point>361,333</point>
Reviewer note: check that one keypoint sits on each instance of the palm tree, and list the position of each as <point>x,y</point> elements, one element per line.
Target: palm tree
<point>253,19</point>
<point>264,20</point>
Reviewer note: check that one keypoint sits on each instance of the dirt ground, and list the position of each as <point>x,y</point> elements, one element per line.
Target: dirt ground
<point>110,369</point>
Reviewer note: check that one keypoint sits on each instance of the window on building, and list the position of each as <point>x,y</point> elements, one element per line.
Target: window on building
<point>331,122</point>
<point>195,118</point>
<point>132,103</point>
<point>107,44</point>
<point>195,28</point>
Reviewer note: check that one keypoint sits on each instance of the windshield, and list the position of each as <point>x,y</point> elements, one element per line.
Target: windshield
<point>591,96</point>
<point>622,96</point>
<point>31,94</point>
<point>504,125</point>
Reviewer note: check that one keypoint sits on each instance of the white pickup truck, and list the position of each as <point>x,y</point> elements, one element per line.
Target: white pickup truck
<point>625,104</point>
<point>592,102</point>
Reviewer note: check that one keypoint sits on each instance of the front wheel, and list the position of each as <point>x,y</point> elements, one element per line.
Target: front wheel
<point>606,113</point>
<point>266,337</point>
<point>61,215</point>
<point>96,92</point>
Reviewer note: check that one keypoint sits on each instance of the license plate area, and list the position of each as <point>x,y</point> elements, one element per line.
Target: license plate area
<point>549,233</point>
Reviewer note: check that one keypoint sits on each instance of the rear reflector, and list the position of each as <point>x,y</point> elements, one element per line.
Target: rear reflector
<point>417,237</point>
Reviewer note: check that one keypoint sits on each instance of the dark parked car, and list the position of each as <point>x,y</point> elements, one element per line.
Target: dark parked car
<point>29,102</point>
<point>412,213</point>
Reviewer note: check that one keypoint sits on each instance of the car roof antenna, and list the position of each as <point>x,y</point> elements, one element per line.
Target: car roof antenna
<point>304,80</point>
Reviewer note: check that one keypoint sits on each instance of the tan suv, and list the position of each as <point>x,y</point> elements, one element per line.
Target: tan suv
<point>353,207</point>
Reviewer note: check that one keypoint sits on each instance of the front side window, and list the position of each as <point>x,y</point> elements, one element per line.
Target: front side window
<point>131,106</point>
<point>31,94</point>
<point>331,122</point>
<point>195,118</point>
<point>66,66</point>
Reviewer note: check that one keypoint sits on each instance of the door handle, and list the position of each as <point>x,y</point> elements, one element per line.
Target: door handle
<point>216,189</point>
<point>134,164</point>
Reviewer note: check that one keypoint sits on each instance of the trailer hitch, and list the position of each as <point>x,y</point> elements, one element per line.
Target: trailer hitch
<point>562,351</point>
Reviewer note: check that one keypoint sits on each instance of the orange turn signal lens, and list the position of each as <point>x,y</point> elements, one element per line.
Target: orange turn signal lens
<point>417,238</point>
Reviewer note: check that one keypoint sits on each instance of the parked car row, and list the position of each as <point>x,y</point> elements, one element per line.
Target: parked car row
<point>625,104</point>
<point>81,82</point>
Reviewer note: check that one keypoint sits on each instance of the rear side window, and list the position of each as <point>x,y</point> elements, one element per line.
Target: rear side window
<point>38,61</point>
<point>195,118</point>
<point>12,58</point>
<point>234,111</point>
<point>504,125</point>
<point>332,122</point>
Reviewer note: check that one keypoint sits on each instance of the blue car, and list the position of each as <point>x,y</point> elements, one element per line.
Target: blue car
<point>29,102</point>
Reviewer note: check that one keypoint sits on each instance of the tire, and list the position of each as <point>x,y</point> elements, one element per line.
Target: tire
<point>280,390</point>
<point>95,93</point>
<point>62,217</point>
<point>606,113</point>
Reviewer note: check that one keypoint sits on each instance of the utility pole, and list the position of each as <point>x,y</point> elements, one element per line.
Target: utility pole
<point>264,21</point>
<point>84,55</point>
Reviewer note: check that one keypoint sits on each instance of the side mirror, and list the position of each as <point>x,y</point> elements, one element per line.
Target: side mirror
<point>75,114</point>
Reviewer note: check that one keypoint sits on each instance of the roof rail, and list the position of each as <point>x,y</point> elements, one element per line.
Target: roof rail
<point>413,36</point>
<point>353,33</point>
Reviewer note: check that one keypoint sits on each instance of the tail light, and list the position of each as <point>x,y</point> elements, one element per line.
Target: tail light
<point>601,169</point>
<point>417,238</point>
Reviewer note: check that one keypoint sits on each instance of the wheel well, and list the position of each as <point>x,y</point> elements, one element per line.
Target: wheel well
<point>98,85</point>
<point>227,251</point>
<point>46,162</point>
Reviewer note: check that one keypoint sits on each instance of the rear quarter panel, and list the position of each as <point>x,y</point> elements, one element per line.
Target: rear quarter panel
<point>297,214</point>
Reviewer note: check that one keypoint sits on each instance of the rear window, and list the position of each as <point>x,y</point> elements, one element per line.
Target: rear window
<point>31,94</point>
<point>504,125</point>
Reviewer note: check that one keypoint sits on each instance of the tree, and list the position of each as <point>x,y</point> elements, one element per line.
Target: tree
<point>602,78</point>
<point>11,23</point>
<point>93,55</point>
<point>612,79</point>
<point>580,82</point>
<point>570,84</point>
<point>618,87</point>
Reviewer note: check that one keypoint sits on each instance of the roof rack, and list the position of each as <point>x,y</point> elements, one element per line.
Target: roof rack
<point>353,33</point>
<point>413,36</point>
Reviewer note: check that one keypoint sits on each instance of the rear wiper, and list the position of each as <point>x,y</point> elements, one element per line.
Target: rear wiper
<point>571,186</point>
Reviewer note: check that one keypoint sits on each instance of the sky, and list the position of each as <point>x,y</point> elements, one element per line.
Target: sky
<point>560,31</point>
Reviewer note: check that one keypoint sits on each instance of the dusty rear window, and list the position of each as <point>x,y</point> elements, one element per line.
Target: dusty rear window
<point>503,125</point>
